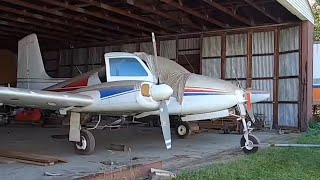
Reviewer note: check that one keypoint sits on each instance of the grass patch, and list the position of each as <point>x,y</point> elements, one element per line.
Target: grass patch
<point>273,163</point>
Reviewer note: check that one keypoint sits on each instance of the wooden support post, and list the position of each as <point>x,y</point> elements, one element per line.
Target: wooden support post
<point>249,59</point>
<point>276,78</point>
<point>223,55</point>
<point>306,75</point>
<point>177,49</point>
<point>200,52</point>
<point>58,63</point>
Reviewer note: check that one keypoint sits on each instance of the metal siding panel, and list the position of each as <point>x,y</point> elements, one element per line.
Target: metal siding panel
<point>211,46</point>
<point>316,61</point>
<point>289,64</point>
<point>243,83</point>
<point>288,115</point>
<point>129,48</point>
<point>65,57</point>
<point>191,43</point>
<point>211,67</point>
<point>96,54</point>
<point>64,72</point>
<point>107,49</point>
<point>262,66</point>
<point>168,49</point>
<point>289,89</point>
<point>265,109</point>
<point>80,56</point>
<point>263,42</point>
<point>266,85</point>
<point>236,67</point>
<point>147,47</point>
<point>236,44</point>
<point>289,39</point>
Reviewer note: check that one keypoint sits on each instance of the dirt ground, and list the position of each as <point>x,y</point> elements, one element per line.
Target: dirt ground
<point>145,143</point>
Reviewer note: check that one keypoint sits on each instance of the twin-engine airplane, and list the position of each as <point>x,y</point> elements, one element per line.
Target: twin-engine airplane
<point>136,85</point>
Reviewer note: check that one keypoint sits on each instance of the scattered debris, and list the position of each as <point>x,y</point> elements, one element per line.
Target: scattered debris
<point>118,147</point>
<point>135,158</point>
<point>110,162</point>
<point>158,174</point>
<point>52,174</point>
<point>132,172</point>
<point>36,159</point>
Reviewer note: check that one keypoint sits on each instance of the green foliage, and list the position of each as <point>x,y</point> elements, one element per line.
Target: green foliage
<point>272,163</point>
<point>316,11</point>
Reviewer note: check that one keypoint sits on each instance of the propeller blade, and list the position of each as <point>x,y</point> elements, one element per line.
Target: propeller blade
<point>165,123</point>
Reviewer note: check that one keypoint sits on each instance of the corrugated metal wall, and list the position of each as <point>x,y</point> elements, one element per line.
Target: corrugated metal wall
<point>289,77</point>
<point>211,56</point>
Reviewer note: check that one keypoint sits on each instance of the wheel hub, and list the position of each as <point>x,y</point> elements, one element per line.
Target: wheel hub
<point>249,145</point>
<point>182,130</point>
<point>82,145</point>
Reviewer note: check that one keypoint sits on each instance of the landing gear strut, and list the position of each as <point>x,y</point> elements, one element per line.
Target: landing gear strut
<point>249,143</point>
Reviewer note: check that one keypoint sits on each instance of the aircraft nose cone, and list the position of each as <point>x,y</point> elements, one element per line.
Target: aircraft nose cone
<point>161,92</point>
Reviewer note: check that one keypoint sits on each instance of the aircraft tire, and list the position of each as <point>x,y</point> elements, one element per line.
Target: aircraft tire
<point>183,129</point>
<point>87,143</point>
<point>249,150</point>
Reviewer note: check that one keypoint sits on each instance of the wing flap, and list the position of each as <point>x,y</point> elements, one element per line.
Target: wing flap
<point>42,99</point>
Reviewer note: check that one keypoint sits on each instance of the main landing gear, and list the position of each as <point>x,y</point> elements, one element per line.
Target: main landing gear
<point>86,144</point>
<point>183,129</point>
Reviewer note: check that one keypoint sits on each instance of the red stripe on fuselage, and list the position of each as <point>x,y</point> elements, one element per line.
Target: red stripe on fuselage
<point>72,86</point>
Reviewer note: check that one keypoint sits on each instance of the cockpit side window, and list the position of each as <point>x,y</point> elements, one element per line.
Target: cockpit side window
<point>126,66</point>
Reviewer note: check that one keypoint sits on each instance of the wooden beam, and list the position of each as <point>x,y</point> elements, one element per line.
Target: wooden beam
<point>276,78</point>
<point>154,10</point>
<point>249,58</point>
<point>69,16</point>
<point>52,33</point>
<point>228,11</point>
<point>36,19</point>
<point>195,13</point>
<point>262,10</point>
<point>223,55</point>
<point>100,16</point>
<point>128,14</point>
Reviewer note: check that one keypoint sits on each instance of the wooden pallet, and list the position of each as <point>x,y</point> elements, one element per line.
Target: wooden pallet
<point>226,124</point>
<point>27,158</point>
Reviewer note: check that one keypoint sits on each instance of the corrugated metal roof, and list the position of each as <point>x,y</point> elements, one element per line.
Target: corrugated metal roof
<point>300,8</point>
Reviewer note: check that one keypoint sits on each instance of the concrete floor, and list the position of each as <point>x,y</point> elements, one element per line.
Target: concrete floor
<point>146,146</point>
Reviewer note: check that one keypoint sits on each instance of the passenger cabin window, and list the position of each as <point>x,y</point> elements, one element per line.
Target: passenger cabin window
<point>126,67</point>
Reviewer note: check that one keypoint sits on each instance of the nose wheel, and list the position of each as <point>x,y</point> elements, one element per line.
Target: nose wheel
<point>87,143</point>
<point>248,146</point>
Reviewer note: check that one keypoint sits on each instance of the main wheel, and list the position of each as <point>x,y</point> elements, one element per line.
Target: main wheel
<point>183,129</point>
<point>87,143</point>
<point>246,146</point>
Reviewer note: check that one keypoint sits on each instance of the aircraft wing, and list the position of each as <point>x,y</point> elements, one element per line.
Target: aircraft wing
<point>42,99</point>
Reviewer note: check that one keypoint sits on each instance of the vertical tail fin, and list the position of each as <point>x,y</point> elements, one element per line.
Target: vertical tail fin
<point>30,71</point>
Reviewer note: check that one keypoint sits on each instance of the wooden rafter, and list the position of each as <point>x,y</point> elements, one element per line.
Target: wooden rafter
<point>31,28</point>
<point>35,19</point>
<point>100,16</point>
<point>128,14</point>
<point>48,27</point>
<point>262,10</point>
<point>69,16</point>
<point>195,13</point>
<point>154,10</point>
<point>228,11</point>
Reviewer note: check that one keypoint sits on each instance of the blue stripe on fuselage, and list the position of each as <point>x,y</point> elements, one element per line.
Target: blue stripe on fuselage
<point>113,91</point>
<point>316,86</point>
<point>203,94</point>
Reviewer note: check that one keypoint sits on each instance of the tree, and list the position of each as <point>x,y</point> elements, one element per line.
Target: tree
<point>316,11</point>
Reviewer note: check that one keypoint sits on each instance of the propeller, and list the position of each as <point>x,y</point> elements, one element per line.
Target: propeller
<point>164,114</point>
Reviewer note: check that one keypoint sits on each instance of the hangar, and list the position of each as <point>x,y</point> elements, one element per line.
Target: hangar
<point>264,44</point>
<point>261,44</point>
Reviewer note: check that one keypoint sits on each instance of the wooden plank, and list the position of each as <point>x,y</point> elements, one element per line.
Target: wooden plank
<point>223,55</point>
<point>4,160</point>
<point>29,157</point>
<point>249,59</point>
